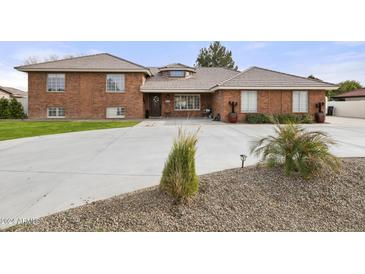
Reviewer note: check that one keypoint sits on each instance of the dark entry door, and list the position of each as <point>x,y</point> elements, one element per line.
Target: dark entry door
<point>155,105</point>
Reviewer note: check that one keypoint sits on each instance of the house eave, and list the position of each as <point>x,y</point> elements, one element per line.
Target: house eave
<point>273,88</point>
<point>80,70</point>
<point>176,90</point>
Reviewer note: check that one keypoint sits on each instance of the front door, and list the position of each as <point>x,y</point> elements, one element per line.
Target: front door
<point>155,105</point>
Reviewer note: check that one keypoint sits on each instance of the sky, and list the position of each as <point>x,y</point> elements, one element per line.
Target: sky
<point>330,61</point>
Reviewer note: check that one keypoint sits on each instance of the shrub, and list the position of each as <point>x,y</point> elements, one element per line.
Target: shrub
<point>305,119</point>
<point>259,118</point>
<point>16,109</point>
<point>296,150</point>
<point>179,177</point>
<point>4,108</point>
<point>11,109</point>
<point>285,118</point>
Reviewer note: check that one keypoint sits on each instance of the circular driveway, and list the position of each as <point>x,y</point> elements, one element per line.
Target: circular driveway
<point>43,175</point>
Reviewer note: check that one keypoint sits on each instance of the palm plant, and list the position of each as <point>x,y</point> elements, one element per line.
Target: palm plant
<point>297,150</point>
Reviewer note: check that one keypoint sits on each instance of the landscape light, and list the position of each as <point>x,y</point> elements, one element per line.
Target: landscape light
<point>243,159</point>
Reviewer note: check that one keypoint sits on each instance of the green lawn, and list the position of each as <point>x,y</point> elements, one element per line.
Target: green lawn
<point>12,129</point>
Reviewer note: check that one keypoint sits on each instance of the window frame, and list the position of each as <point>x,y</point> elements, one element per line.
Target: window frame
<point>107,86</point>
<point>186,95</point>
<point>242,98</point>
<point>293,105</point>
<point>116,112</point>
<point>48,82</point>
<point>177,76</point>
<point>57,109</point>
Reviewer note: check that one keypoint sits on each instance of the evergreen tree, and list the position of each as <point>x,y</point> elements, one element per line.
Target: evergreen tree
<point>216,55</point>
<point>4,108</point>
<point>16,110</point>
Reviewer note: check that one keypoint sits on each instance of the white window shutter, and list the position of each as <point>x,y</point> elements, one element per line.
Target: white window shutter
<point>253,101</point>
<point>248,101</point>
<point>304,101</point>
<point>295,101</point>
<point>300,101</point>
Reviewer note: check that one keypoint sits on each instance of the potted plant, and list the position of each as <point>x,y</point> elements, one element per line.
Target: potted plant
<point>319,116</point>
<point>232,116</point>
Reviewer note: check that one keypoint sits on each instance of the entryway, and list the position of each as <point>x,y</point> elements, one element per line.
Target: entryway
<point>155,105</point>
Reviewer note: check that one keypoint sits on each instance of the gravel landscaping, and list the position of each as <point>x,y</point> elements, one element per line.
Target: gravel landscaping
<point>249,199</point>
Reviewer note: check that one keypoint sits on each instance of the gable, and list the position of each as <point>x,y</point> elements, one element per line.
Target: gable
<point>97,62</point>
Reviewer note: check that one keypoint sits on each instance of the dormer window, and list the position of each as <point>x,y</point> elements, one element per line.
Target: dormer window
<point>176,70</point>
<point>177,73</point>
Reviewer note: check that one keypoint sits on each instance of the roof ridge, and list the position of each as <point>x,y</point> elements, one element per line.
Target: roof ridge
<point>2,88</point>
<point>10,90</point>
<point>122,59</point>
<point>302,77</point>
<point>70,58</point>
<point>240,73</point>
<point>231,69</point>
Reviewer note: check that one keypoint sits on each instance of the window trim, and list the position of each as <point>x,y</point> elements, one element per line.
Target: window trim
<point>116,116</point>
<point>293,110</point>
<point>64,83</point>
<point>196,95</point>
<point>114,91</point>
<point>242,105</point>
<point>177,76</point>
<point>57,112</point>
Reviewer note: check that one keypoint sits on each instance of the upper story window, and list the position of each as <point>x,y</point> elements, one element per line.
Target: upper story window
<point>115,83</point>
<point>56,82</point>
<point>300,101</point>
<point>177,73</point>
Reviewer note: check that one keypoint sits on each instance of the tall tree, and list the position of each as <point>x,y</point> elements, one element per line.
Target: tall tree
<point>30,60</point>
<point>216,55</point>
<point>343,87</point>
<point>347,86</point>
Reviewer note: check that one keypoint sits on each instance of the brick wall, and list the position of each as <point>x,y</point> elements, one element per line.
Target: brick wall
<point>167,108</point>
<point>269,101</point>
<point>85,96</point>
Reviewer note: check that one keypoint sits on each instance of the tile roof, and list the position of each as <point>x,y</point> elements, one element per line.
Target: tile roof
<point>96,62</point>
<point>176,65</point>
<point>13,91</point>
<point>355,93</point>
<point>256,77</point>
<point>203,79</point>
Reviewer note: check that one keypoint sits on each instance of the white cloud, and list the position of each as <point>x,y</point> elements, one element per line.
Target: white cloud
<point>255,45</point>
<point>350,43</point>
<point>340,71</point>
<point>339,67</point>
<point>9,77</point>
<point>93,51</point>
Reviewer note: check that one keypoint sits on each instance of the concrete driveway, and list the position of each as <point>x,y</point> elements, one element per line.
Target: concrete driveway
<point>43,175</point>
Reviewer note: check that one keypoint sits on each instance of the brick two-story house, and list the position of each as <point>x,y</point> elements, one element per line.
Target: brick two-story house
<point>105,86</point>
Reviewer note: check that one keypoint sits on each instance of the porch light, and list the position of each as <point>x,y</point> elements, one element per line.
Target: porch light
<point>243,159</point>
